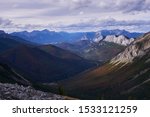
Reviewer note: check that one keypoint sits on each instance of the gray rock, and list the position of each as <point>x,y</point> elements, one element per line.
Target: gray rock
<point>19,92</point>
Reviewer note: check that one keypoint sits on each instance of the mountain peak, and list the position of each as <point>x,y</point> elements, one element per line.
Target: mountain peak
<point>138,48</point>
<point>121,32</point>
<point>98,37</point>
<point>45,30</point>
<point>84,38</point>
<point>121,39</point>
<point>2,32</point>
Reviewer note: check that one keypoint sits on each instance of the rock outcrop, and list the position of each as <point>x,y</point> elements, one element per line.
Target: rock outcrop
<point>19,92</point>
<point>121,40</point>
<point>138,48</point>
<point>98,37</point>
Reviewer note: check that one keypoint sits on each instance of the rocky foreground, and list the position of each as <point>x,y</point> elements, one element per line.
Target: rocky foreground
<point>18,92</point>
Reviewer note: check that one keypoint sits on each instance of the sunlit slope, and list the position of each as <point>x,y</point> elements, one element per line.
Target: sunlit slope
<point>126,76</point>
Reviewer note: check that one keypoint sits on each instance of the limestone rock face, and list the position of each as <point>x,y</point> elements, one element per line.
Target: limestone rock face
<point>138,48</point>
<point>98,37</point>
<point>121,40</point>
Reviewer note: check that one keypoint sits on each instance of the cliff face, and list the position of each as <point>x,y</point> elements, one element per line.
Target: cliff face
<point>138,48</point>
<point>121,40</point>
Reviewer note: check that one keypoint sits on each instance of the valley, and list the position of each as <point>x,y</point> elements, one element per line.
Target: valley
<point>92,67</point>
<point>123,77</point>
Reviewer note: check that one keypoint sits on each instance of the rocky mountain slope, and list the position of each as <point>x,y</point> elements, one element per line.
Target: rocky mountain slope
<point>121,32</point>
<point>48,37</point>
<point>19,92</point>
<point>98,37</point>
<point>97,51</point>
<point>138,49</point>
<point>15,87</point>
<point>99,48</point>
<point>52,37</point>
<point>121,39</point>
<point>39,63</point>
<point>126,76</point>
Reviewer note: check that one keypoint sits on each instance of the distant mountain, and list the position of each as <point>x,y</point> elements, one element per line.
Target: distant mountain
<point>47,37</point>
<point>126,76</point>
<point>97,51</point>
<point>45,64</point>
<point>100,48</point>
<point>121,39</point>
<point>2,32</point>
<point>98,37</point>
<point>121,32</point>
<point>8,41</point>
<point>137,49</point>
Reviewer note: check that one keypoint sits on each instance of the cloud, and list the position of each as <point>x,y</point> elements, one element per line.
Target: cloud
<point>4,22</point>
<point>74,14</point>
<point>136,6</point>
<point>113,22</point>
<point>88,25</point>
<point>110,23</point>
<point>73,6</point>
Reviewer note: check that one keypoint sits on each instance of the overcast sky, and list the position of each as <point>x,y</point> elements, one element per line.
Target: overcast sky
<point>74,15</point>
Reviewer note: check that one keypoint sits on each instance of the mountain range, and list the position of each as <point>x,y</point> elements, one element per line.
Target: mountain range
<point>8,41</point>
<point>108,64</point>
<point>41,63</point>
<point>47,37</point>
<point>31,64</point>
<point>126,76</point>
<point>39,66</point>
<point>100,48</point>
<point>121,39</point>
<point>97,51</point>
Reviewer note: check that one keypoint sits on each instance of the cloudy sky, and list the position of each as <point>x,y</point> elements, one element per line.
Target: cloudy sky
<point>74,15</point>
